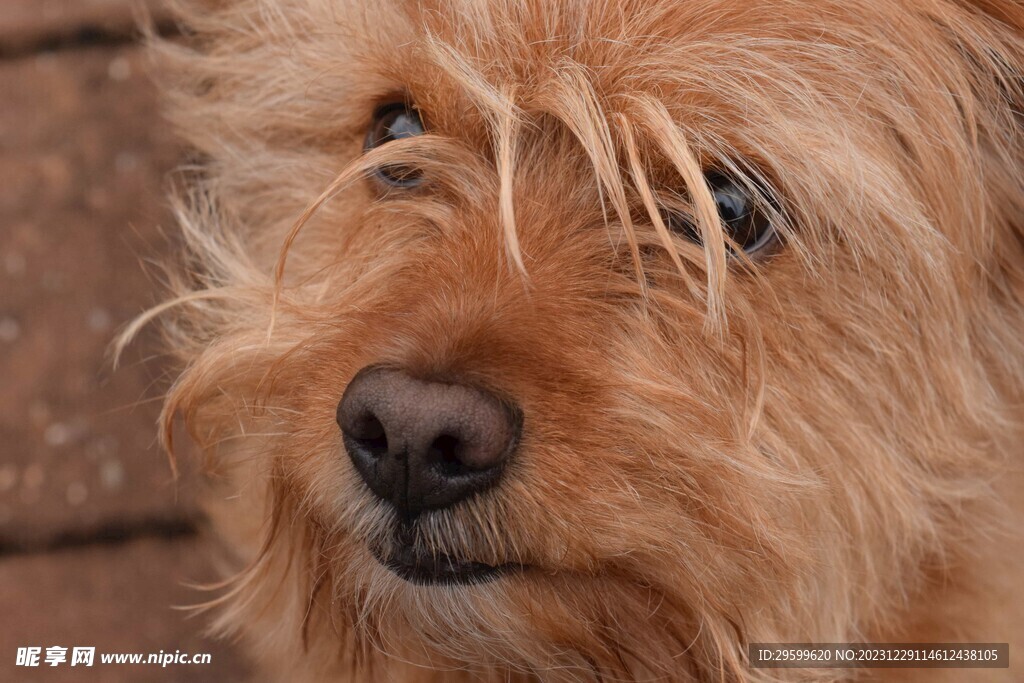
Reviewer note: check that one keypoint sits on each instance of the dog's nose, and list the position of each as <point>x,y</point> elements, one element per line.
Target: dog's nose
<point>425,445</point>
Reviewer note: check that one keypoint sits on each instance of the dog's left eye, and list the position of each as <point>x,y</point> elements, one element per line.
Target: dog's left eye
<point>393,122</point>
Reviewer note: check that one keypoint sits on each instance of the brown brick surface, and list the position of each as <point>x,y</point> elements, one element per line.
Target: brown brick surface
<point>32,24</point>
<point>83,164</point>
<point>118,599</point>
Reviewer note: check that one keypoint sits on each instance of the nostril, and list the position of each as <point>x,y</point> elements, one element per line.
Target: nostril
<point>370,434</point>
<point>446,452</point>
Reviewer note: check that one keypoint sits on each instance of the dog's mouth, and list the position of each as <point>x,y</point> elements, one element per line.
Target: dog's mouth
<point>425,568</point>
<point>437,569</point>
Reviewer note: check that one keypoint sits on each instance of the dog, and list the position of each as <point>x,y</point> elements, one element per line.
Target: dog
<point>577,340</point>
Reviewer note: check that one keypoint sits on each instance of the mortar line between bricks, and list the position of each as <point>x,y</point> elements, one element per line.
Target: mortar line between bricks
<point>111,533</point>
<point>82,38</point>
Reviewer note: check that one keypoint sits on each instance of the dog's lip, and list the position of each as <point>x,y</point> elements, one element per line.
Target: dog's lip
<point>428,569</point>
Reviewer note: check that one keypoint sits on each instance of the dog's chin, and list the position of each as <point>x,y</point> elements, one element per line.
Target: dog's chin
<point>431,569</point>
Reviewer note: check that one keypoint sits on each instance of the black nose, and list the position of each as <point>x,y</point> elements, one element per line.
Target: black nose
<point>425,445</point>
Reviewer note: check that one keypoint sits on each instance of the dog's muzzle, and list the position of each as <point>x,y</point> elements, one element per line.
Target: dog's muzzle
<point>424,446</point>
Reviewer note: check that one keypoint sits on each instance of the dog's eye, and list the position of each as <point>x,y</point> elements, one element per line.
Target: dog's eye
<point>393,122</point>
<point>745,222</point>
<point>743,219</point>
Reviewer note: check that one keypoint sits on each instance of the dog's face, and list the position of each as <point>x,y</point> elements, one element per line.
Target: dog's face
<point>620,335</point>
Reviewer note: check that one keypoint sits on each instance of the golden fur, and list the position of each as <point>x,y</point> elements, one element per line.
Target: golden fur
<point>821,444</point>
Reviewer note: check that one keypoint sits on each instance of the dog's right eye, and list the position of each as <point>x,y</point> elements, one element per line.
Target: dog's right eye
<point>395,121</point>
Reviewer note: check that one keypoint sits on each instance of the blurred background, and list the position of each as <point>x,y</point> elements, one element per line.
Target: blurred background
<point>96,539</point>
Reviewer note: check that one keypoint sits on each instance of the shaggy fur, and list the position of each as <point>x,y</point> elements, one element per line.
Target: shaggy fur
<point>817,444</point>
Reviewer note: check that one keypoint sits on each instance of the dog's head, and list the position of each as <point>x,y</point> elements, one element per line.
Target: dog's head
<point>594,336</point>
